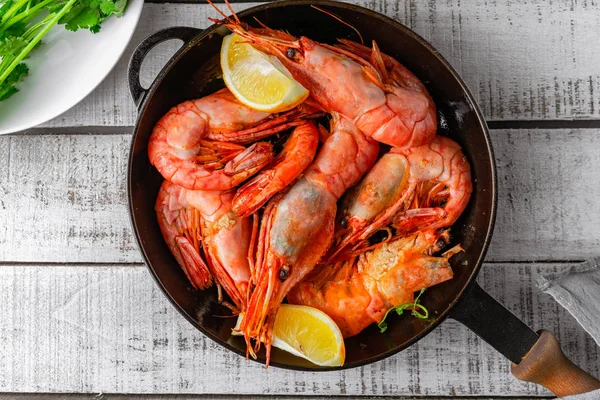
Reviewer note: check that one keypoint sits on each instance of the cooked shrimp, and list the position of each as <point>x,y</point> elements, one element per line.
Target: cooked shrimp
<point>393,108</point>
<point>297,227</point>
<point>297,154</point>
<point>358,292</point>
<point>422,188</point>
<point>443,186</point>
<point>406,95</point>
<point>176,146</point>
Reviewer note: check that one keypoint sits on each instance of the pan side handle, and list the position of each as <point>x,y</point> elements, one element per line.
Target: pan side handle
<point>536,359</point>
<point>183,33</point>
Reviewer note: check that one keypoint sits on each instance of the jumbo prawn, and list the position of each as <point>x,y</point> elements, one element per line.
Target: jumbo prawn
<point>358,292</point>
<point>178,145</point>
<point>422,188</point>
<point>394,108</point>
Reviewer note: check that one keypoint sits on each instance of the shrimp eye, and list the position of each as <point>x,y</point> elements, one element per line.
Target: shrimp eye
<point>344,222</point>
<point>291,53</point>
<point>440,244</point>
<point>284,272</point>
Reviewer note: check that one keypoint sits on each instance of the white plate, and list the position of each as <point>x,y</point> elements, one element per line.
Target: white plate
<point>65,69</point>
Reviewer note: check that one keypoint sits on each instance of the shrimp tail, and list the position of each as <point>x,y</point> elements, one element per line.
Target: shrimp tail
<point>420,219</point>
<point>181,228</point>
<point>254,194</point>
<point>249,162</point>
<point>193,264</point>
<point>296,156</point>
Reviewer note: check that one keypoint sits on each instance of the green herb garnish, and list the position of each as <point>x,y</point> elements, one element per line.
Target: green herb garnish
<point>24,23</point>
<point>416,309</point>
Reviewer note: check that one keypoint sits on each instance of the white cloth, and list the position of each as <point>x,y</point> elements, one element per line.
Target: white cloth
<point>578,290</point>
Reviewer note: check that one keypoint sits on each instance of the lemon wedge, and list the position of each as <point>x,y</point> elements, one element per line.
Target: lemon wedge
<point>258,80</point>
<point>308,333</point>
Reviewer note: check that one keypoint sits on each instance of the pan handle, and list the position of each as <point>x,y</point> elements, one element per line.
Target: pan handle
<point>138,93</point>
<point>537,359</point>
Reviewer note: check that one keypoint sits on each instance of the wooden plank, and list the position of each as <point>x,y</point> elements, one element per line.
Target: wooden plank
<point>521,59</point>
<point>63,197</point>
<point>546,199</point>
<point>89,329</point>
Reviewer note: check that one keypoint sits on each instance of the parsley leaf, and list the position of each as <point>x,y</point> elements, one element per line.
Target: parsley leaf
<point>80,17</point>
<point>17,29</point>
<point>8,88</point>
<point>107,7</point>
<point>415,309</point>
<point>12,45</point>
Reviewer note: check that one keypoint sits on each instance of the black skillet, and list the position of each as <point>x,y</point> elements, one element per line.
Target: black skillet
<point>193,72</point>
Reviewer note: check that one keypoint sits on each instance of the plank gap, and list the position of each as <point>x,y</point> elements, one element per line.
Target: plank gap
<point>201,2</point>
<point>545,124</point>
<point>492,125</point>
<point>141,264</point>
<point>546,261</point>
<point>67,264</point>
<point>118,396</point>
<point>76,130</point>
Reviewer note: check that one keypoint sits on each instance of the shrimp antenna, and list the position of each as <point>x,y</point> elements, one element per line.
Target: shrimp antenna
<point>340,20</point>
<point>218,10</point>
<point>277,40</point>
<point>225,16</point>
<point>260,23</point>
<point>233,12</point>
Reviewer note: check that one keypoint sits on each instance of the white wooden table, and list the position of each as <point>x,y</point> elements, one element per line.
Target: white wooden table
<point>80,314</point>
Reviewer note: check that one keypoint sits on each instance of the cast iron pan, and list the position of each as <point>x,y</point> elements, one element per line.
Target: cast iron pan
<point>194,72</point>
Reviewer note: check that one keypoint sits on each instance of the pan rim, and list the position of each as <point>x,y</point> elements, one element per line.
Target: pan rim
<point>468,98</point>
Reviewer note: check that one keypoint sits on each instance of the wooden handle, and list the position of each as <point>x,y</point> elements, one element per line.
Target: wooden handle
<point>546,364</point>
